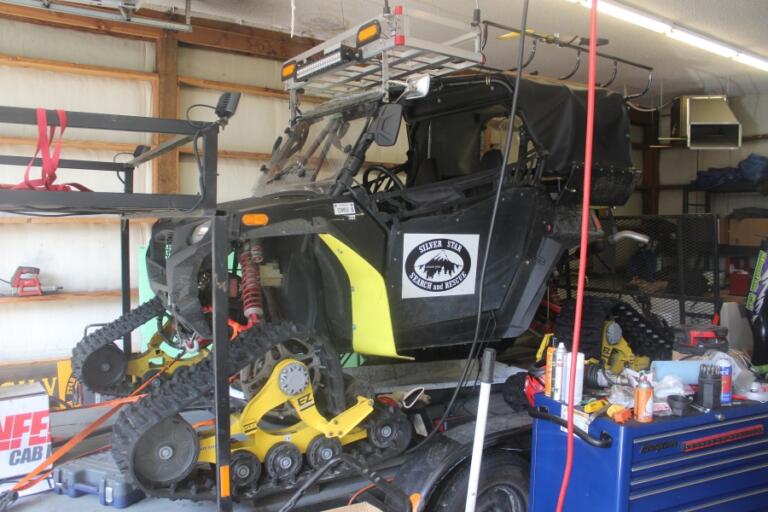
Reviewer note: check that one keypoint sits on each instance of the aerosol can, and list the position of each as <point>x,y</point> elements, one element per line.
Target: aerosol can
<point>644,401</point>
<point>726,381</point>
<point>558,372</point>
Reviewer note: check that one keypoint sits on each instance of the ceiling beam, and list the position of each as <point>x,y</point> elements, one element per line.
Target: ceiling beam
<point>211,34</point>
<point>82,23</point>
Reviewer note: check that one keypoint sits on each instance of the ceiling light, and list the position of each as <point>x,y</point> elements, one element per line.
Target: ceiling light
<point>125,14</point>
<point>749,60</point>
<point>660,26</point>
<point>702,43</point>
<point>630,16</point>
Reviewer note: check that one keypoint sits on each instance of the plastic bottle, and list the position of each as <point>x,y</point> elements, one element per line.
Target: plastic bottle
<point>644,401</point>
<point>559,372</point>
<point>548,360</point>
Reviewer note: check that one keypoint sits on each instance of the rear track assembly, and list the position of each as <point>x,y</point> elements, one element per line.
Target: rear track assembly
<point>173,473</point>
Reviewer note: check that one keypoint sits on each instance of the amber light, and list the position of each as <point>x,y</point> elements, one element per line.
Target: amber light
<point>255,219</point>
<point>368,33</point>
<point>288,70</point>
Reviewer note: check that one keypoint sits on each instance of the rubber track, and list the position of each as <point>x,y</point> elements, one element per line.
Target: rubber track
<point>595,311</point>
<point>107,334</point>
<point>644,337</point>
<point>192,387</point>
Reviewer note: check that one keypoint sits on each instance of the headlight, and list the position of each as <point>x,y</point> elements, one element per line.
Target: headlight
<point>199,232</point>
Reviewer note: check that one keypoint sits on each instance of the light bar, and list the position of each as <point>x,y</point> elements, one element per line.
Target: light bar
<point>660,26</point>
<point>323,64</point>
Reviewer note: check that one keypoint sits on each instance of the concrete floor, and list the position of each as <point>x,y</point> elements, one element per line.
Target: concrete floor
<point>50,502</point>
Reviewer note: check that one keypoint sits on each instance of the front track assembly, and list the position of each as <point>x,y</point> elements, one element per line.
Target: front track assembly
<point>154,441</point>
<point>103,368</point>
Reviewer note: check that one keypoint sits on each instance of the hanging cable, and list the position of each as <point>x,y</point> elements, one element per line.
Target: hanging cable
<point>582,248</point>
<point>473,350</point>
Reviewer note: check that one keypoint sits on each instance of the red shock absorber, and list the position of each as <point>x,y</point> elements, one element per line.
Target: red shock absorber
<point>250,288</point>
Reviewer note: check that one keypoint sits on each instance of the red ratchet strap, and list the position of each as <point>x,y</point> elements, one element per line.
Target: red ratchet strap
<point>45,137</point>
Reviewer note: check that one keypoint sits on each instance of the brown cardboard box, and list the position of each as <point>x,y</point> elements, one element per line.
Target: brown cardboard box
<point>722,224</point>
<point>747,232</point>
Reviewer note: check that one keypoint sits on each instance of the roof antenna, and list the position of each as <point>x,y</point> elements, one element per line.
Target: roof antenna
<point>386,7</point>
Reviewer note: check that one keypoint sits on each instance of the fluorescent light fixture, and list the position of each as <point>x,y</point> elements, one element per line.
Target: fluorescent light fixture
<point>749,60</point>
<point>702,43</point>
<point>78,10</point>
<point>661,26</point>
<point>630,16</point>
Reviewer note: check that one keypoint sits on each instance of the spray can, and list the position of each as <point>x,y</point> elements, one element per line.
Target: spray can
<point>548,370</point>
<point>578,387</point>
<point>726,381</point>
<point>644,401</point>
<point>558,373</point>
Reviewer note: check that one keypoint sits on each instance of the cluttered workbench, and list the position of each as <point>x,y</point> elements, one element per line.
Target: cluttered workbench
<point>684,430</point>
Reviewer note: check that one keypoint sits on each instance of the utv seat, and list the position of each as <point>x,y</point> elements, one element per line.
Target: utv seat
<point>491,159</point>
<point>426,173</point>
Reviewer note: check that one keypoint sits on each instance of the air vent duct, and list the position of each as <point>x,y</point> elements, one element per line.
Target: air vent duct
<point>705,122</point>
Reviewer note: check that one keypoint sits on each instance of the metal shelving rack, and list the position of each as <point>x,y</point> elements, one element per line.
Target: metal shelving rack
<point>130,204</point>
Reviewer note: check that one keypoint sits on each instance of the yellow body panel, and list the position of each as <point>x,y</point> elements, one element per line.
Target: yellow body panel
<point>371,320</point>
<point>345,427</point>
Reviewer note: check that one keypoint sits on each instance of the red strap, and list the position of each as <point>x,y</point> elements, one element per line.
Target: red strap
<point>50,161</point>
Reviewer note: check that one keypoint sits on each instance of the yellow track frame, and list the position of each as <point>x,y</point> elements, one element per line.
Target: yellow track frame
<point>139,365</point>
<point>345,427</point>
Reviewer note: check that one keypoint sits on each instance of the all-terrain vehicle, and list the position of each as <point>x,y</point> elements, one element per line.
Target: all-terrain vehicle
<point>337,252</point>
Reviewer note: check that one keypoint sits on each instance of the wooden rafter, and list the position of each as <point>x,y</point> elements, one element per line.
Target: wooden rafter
<point>94,145</point>
<point>253,90</point>
<point>232,154</point>
<point>77,69</point>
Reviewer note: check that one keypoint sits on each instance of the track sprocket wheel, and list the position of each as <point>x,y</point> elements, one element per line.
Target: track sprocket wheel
<point>167,453</point>
<point>96,365</point>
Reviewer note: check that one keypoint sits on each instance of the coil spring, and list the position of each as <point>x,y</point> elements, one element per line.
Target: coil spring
<point>250,288</point>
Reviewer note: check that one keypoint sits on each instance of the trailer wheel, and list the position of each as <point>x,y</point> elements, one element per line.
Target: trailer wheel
<point>503,486</point>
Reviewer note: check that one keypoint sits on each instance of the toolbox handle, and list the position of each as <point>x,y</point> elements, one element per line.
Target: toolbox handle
<point>542,413</point>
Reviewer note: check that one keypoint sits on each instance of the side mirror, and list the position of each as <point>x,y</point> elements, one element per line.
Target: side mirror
<point>417,87</point>
<point>386,127</point>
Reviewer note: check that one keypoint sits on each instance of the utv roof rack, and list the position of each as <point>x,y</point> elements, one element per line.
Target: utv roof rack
<point>388,48</point>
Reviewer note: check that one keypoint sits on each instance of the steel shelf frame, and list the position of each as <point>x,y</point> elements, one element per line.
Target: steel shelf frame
<point>129,204</point>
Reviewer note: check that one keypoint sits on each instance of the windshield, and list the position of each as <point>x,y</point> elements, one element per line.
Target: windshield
<point>312,152</point>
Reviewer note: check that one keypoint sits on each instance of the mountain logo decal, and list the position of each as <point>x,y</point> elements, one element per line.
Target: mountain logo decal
<point>438,265</point>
